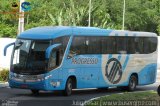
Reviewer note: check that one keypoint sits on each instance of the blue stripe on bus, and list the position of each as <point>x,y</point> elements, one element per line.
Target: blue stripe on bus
<point>126,61</point>
<point>109,56</point>
<point>119,57</point>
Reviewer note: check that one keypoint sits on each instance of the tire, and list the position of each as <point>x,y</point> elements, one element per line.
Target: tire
<point>132,83</point>
<point>158,90</point>
<point>68,88</point>
<point>35,92</point>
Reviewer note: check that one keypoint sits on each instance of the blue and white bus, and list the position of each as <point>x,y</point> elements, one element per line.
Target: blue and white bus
<point>66,58</point>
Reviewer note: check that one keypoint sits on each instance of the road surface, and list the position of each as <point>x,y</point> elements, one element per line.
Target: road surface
<point>25,98</point>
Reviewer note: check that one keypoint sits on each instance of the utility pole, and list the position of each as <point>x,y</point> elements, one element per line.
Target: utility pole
<point>89,18</point>
<point>124,8</point>
<point>21,18</point>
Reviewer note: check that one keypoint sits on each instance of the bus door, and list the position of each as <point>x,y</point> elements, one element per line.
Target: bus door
<point>86,69</point>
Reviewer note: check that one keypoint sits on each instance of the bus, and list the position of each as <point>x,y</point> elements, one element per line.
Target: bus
<point>65,58</point>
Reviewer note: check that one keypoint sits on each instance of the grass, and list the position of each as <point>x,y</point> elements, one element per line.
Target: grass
<point>141,98</point>
<point>4,74</point>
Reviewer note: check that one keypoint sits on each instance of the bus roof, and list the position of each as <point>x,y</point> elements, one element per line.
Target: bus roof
<point>50,32</point>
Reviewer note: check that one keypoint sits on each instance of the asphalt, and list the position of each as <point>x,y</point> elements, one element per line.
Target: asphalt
<point>25,98</point>
<point>21,97</point>
<point>2,85</point>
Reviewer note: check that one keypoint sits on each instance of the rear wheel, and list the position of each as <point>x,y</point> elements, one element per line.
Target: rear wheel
<point>132,83</point>
<point>35,92</point>
<point>68,88</point>
<point>158,90</point>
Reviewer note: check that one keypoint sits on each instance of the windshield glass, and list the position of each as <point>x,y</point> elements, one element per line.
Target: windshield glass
<point>29,57</point>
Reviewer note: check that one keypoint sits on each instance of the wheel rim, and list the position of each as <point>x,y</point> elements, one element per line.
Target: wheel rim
<point>132,83</point>
<point>69,88</point>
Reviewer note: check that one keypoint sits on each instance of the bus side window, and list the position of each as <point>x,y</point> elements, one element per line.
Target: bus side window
<point>147,45</point>
<point>121,45</point>
<point>130,45</point>
<point>104,45</point>
<point>78,45</point>
<point>153,44</point>
<point>93,45</point>
<point>139,45</point>
<point>112,45</point>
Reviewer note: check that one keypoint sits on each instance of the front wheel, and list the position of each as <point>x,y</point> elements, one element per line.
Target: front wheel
<point>132,83</point>
<point>68,88</point>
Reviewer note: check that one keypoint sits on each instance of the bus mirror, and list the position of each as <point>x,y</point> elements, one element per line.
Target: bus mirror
<point>6,47</point>
<point>50,48</point>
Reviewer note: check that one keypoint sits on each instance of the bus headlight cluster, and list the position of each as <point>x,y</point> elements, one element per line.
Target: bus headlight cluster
<point>47,77</point>
<point>29,78</point>
<point>55,83</point>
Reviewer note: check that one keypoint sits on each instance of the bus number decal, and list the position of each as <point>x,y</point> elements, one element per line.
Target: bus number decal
<point>113,70</point>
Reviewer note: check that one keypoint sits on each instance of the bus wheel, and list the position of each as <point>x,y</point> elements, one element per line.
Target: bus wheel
<point>158,90</point>
<point>35,92</point>
<point>68,88</point>
<point>132,83</point>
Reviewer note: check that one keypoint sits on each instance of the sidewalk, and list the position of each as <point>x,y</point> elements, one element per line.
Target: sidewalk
<point>3,84</point>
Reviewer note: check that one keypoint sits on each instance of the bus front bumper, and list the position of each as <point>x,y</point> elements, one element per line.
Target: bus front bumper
<point>28,85</point>
<point>48,85</point>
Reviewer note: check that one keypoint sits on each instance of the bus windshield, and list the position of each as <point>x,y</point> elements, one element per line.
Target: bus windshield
<point>29,57</point>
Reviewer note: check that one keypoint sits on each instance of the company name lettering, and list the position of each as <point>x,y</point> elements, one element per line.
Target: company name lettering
<point>84,61</point>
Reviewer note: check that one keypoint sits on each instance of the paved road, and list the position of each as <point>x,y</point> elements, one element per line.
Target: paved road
<point>25,98</point>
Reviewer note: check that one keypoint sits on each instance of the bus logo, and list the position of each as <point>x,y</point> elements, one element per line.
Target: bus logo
<point>113,70</point>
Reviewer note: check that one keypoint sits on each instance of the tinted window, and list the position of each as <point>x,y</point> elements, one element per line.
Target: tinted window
<point>78,45</point>
<point>108,45</point>
<point>130,45</point>
<point>147,45</point>
<point>139,45</point>
<point>153,44</point>
<point>121,45</point>
<point>93,45</point>
<point>86,45</point>
<point>114,45</point>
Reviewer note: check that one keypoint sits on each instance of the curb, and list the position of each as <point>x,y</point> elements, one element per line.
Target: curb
<point>107,96</point>
<point>4,84</point>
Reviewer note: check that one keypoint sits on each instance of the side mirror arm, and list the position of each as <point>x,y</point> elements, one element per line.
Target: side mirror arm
<point>49,49</point>
<point>6,47</point>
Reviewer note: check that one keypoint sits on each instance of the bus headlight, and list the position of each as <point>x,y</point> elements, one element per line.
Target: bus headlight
<point>47,77</point>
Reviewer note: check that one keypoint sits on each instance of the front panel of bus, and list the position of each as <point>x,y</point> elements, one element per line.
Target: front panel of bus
<point>30,69</point>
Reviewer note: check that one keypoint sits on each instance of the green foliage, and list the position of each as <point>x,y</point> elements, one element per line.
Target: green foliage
<point>143,96</point>
<point>4,75</point>
<point>7,30</point>
<point>141,15</point>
